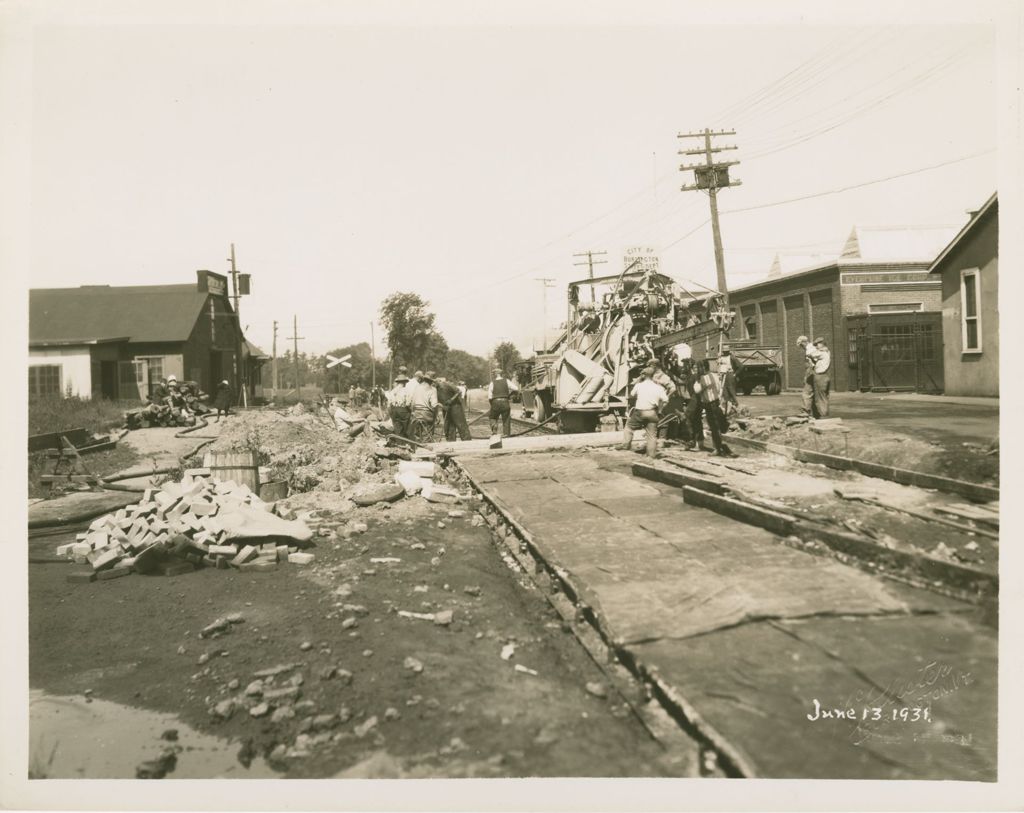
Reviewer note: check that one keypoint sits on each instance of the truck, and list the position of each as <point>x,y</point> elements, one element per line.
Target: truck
<point>615,326</point>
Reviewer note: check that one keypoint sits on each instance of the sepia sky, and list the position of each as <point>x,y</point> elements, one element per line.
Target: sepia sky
<point>465,157</point>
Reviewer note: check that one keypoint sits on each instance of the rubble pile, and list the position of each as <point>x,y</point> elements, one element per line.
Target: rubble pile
<point>184,525</point>
<point>304,449</point>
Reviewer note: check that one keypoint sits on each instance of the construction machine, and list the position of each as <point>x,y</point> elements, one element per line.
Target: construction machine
<point>616,326</point>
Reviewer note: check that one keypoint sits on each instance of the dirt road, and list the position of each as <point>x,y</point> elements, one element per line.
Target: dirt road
<point>379,693</point>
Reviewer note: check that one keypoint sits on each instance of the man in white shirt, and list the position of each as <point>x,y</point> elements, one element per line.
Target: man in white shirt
<point>424,399</point>
<point>817,377</point>
<point>821,377</point>
<point>398,405</point>
<point>650,397</point>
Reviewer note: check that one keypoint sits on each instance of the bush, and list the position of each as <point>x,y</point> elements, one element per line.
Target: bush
<point>55,414</point>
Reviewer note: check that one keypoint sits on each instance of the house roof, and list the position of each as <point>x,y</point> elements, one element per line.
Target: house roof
<point>253,351</point>
<point>969,227</point>
<point>143,313</point>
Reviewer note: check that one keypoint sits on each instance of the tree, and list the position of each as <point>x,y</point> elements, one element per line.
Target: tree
<point>463,366</point>
<point>411,334</point>
<point>506,357</point>
<point>339,378</point>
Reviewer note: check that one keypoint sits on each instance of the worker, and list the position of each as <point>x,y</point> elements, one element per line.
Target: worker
<point>414,384</point>
<point>450,399</point>
<point>710,398</point>
<point>498,393</point>
<point>812,399</point>
<point>728,367</point>
<point>423,403</point>
<point>159,391</point>
<point>821,378</point>
<point>222,400</point>
<point>398,405</point>
<point>649,397</point>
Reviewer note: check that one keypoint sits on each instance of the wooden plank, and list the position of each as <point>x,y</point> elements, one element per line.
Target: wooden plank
<point>674,477</point>
<point>773,521</point>
<point>51,440</point>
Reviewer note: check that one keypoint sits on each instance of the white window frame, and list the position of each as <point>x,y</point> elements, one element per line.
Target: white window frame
<point>964,274</point>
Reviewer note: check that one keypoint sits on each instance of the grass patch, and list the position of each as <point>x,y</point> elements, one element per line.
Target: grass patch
<point>53,414</point>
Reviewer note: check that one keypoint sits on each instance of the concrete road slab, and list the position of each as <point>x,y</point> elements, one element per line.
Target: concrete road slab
<point>751,631</point>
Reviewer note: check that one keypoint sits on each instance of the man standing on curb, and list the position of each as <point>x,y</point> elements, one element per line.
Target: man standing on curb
<point>821,378</point>
<point>650,397</point>
<point>817,380</point>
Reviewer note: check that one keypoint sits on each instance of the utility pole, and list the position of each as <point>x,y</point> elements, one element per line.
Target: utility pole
<point>295,352</point>
<point>274,358</point>
<point>590,263</point>
<point>711,176</point>
<point>240,376</point>
<point>546,282</point>
<point>373,360</point>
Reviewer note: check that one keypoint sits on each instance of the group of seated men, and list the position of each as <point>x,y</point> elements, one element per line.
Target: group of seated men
<point>170,404</point>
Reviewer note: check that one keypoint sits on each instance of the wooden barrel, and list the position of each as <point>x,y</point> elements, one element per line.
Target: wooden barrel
<point>241,467</point>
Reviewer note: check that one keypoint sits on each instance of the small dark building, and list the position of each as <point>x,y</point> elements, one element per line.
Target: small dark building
<point>117,342</point>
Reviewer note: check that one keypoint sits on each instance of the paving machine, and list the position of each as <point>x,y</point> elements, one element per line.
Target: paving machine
<point>615,326</point>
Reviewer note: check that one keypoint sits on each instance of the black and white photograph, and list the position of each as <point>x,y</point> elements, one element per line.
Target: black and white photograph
<point>511,392</point>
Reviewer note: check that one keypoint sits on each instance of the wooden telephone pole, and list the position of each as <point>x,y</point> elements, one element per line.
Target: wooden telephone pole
<point>590,263</point>
<point>711,176</point>
<point>295,354</point>
<point>546,282</point>
<point>274,359</point>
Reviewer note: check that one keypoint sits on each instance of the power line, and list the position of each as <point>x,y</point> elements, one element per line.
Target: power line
<point>859,185</point>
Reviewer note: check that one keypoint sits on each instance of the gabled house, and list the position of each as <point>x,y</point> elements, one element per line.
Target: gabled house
<point>969,271</point>
<point>117,342</point>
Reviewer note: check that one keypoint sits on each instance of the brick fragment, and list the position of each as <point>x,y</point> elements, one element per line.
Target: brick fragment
<point>81,577</point>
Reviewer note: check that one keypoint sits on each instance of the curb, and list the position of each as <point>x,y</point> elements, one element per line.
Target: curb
<point>973,491</point>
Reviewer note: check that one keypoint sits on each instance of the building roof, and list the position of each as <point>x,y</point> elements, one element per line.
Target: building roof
<point>253,351</point>
<point>143,313</point>
<point>896,243</point>
<point>867,246</point>
<point>969,227</point>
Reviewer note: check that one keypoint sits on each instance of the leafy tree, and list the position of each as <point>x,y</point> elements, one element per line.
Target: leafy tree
<point>463,366</point>
<point>506,357</point>
<point>339,378</point>
<point>411,335</point>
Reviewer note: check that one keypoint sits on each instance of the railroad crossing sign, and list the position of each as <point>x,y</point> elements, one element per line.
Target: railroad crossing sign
<point>343,361</point>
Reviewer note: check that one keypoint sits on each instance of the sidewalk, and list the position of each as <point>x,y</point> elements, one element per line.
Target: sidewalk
<point>913,396</point>
<point>750,638</point>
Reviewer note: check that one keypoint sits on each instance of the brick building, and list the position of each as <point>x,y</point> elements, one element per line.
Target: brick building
<point>874,303</point>
<point>117,342</point>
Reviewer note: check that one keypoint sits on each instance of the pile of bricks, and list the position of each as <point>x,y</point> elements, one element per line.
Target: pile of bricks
<point>176,529</point>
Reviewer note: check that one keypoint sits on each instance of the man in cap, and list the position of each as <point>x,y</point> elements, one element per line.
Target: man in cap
<point>424,400</point>
<point>821,378</point>
<point>222,400</point>
<point>498,393</point>
<point>813,399</point>
<point>450,399</point>
<point>728,367</point>
<point>398,404</point>
<point>649,397</point>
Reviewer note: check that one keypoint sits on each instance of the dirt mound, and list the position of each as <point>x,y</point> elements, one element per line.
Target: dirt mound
<point>304,449</point>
